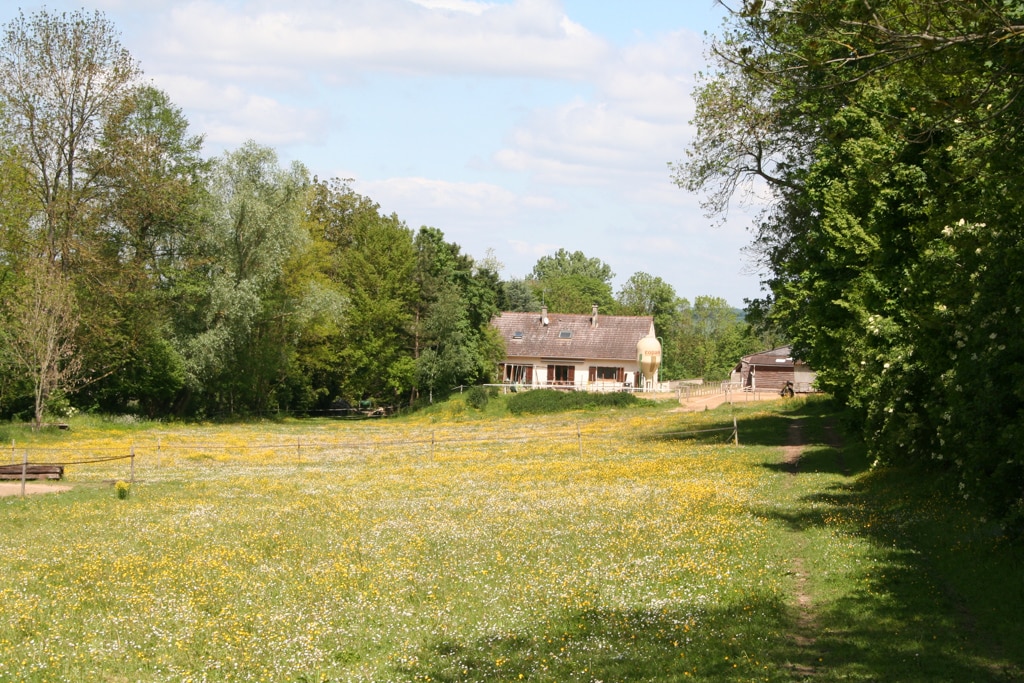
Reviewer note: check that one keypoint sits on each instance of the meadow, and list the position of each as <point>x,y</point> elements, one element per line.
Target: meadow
<point>456,545</point>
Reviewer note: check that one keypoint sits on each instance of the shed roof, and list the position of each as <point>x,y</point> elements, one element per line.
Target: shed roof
<point>572,336</point>
<point>780,357</point>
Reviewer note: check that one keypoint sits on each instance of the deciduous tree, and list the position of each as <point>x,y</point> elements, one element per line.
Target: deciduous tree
<point>39,329</point>
<point>887,133</point>
<point>61,77</point>
<point>573,282</point>
<point>240,351</point>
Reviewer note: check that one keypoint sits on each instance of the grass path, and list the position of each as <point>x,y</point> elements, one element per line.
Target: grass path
<point>891,576</point>
<point>805,624</point>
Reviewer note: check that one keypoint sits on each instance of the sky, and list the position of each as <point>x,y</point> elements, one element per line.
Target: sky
<point>517,127</point>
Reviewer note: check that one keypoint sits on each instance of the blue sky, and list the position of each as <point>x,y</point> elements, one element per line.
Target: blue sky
<point>518,126</point>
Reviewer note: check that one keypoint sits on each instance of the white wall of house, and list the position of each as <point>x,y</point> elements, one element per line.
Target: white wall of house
<point>591,375</point>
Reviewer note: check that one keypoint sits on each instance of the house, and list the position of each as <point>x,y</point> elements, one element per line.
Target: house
<point>577,351</point>
<point>770,370</point>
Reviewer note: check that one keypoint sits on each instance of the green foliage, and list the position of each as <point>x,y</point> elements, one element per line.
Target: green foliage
<point>518,295</point>
<point>58,405</point>
<point>37,328</point>
<point>154,177</point>
<point>454,340</point>
<point>478,396</point>
<point>572,282</point>
<point>707,339</point>
<point>540,401</point>
<point>564,263</point>
<point>890,145</point>
<point>362,347</point>
<point>242,348</point>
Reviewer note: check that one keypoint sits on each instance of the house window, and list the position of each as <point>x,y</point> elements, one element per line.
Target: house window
<point>565,334</point>
<point>607,374</point>
<point>561,374</point>
<point>518,334</point>
<point>518,374</point>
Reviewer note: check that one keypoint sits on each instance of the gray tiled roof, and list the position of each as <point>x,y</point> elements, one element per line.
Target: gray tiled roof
<point>613,338</point>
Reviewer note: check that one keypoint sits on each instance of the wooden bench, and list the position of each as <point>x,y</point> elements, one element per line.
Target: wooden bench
<point>32,471</point>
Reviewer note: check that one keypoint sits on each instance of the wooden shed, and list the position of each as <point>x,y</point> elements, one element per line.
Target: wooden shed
<point>770,370</point>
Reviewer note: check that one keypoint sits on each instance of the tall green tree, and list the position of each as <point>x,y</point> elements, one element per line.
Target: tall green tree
<point>518,294</point>
<point>365,350</point>
<point>572,282</point>
<point>151,197</point>
<point>710,338</point>
<point>887,134</point>
<point>454,341</point>
<point>239,350</point>
<point>61,77</point>
<point>447,355</point>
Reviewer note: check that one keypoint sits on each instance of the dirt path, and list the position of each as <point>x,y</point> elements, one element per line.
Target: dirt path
<point>712,401</point>
<point>805,627</point>
<point>804,635</point>
<point>9,489</point>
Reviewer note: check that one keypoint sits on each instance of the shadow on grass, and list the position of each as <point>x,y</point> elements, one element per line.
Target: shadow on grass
<point>601,645</point>
<point>928,594</point>
<point>899,611</point>
<point>923,605</point>
<point>822,460</point>
<point>860,639</point>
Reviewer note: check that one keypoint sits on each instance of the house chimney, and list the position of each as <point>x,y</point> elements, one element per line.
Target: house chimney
<point>593,317</point>
<point>544,315</point>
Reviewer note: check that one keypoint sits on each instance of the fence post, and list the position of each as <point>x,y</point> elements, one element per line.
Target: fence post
<point>431,444</point>
<point>579,438</point>
<point>24,473</point>
<point>298,448</point>
<point>14,457</point>
<point>735,431</point>
<point>131,473</point>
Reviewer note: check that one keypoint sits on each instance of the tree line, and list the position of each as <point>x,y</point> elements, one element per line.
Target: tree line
<point>138,276</point>
<point>888,135</point>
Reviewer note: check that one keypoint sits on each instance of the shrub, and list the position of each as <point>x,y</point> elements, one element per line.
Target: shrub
<point>122,488</point>
<point>551,401</point>
<point>478,397</point>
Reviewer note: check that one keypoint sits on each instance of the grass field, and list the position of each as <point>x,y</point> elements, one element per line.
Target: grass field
<point>456,546</point>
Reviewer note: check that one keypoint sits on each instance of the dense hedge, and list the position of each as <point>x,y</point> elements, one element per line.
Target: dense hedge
<point>552,401</point>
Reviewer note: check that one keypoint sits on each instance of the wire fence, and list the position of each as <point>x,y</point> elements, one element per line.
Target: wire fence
<point>94,462</point>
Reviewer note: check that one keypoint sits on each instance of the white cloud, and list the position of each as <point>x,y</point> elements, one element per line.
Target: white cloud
<point>433,194</point>
<point>229,115</point>
<point>533,250</point>
<point>468,6</point>
<point>636,121</point>
<point>525,38</point>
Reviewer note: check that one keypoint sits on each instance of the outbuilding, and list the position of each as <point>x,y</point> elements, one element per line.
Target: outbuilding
<point>770,370</point>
